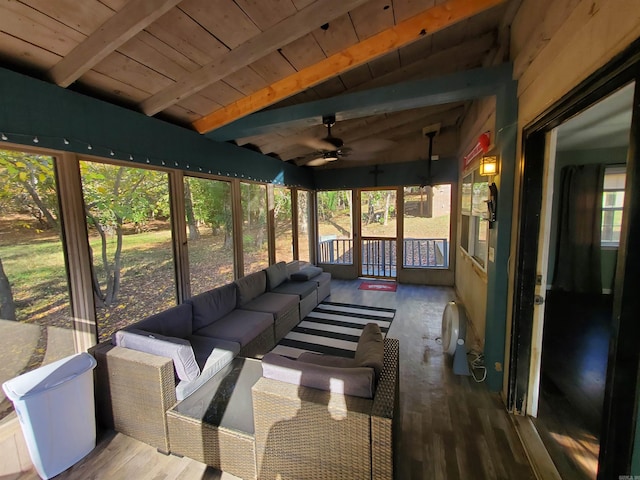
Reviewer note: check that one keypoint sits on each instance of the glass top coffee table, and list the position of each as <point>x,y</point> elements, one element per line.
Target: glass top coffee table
<point>214,425</point>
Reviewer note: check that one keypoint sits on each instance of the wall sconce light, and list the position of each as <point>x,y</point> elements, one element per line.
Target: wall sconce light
<point>489,166</point>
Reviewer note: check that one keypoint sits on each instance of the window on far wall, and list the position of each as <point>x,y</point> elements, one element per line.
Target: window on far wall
<point>612,203</point>
<point>474,235</point>
<point>335,225</point>
<point>427,213</point>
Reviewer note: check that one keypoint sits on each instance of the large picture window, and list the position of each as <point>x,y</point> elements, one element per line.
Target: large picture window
<point>474,231</point>
<point>427,215</point>
<point>255,240</point>
<point>304,225</point>
<point>335,227</point>
<point>283,222</point>
<point>35,309</point>
<point>210,233</point>
<point>129,227</point>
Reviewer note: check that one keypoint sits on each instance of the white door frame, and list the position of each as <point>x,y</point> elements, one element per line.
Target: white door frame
<point>546,212</point>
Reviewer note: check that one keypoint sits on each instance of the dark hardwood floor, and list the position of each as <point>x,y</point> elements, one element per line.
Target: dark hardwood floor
<point>451,426</point>
<point>574,368</point>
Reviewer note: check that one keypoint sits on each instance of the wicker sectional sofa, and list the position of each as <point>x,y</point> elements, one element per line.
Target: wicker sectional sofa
<point>139,393</point>
<point>155,362</point>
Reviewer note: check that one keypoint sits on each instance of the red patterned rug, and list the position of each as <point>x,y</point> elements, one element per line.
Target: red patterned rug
<point>379,286</point>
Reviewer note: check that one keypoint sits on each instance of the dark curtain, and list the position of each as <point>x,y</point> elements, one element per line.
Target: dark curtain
<point>577,267</point>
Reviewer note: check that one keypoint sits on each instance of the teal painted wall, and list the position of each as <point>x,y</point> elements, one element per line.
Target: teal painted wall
<point>500,238</point>
<point>30,108</point>
<point>608,156</point>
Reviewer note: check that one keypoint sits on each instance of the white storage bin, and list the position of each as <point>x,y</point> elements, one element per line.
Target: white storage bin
<point>55,406</point>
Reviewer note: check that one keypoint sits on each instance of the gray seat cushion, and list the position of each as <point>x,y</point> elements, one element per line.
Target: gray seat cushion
<point>239,326</point>
<point>174,322</point>
<point>276,275</point>
<point>251,286</point>
<point>213,355</point>
<point>302,289</point>
<point>276,304</point>
<point>203,347</point>
<point>356,381</point>
<point>212,305</point>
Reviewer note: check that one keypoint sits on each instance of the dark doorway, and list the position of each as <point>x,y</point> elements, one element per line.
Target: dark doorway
<point>571,364</point>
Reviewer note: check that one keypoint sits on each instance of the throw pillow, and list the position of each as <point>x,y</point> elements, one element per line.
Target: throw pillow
<point>307,273</point>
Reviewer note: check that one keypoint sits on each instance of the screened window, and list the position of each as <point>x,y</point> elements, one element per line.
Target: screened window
<point>209,232</point>
<point>304,225</point>
<point>612,204</point>
<point>474,231</point>
<point>335,227</point>
<point>427,215</point>
<point>255,241</point>
<point>129,227</point>
<point>35,309</point>
<point>283,224</point>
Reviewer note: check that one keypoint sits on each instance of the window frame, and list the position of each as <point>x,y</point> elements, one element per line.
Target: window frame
<point>471,224</point>
<point>612,170</point>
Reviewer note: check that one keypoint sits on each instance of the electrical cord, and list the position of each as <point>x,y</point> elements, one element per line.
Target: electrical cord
<point>477,363</point>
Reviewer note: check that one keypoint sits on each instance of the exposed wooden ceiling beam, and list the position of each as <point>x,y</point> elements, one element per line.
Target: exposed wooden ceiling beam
<point>134,17</point>
<point>456,87</point>
<point>425,23</point>
<point>277,36</point>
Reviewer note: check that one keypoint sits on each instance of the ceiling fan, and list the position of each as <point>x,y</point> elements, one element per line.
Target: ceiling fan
<point>330,148</point>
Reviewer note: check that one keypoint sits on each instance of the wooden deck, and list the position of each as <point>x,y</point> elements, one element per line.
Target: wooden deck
<point>451,427</point>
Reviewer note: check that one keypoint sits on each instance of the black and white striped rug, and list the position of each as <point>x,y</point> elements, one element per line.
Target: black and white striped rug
<point>334,329</point>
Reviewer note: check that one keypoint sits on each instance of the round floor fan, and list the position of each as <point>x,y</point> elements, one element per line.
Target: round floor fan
<point>454,331</point>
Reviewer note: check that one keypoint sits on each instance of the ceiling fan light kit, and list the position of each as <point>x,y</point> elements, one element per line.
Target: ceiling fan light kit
<point>330,148</point>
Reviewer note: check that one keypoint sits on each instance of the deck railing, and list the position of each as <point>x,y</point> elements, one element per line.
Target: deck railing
<point>379,254</point>
<point>426,253</point>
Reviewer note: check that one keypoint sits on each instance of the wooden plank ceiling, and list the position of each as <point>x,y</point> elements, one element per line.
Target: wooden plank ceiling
<point>206,63</point>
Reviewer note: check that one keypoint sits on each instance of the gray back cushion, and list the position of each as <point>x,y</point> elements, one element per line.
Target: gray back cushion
<point>212,305</point>
<point>174,322</point>
<point>370,349</point>
<point>177,349</point>
<point>251,286</point>
<point>356,381</point>
<point>276,274</point>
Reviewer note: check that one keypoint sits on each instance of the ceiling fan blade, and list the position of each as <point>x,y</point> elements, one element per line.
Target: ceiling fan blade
<point>316,143</point>
<point>372,145</point>
<point>316,162</point>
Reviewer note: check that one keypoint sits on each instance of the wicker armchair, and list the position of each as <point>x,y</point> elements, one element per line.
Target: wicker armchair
<point>301,431</point>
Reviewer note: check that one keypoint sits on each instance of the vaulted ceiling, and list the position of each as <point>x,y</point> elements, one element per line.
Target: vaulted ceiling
<point>205,64</point>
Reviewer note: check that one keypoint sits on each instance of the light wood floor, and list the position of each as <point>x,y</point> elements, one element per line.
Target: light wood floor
<point>451,427</point>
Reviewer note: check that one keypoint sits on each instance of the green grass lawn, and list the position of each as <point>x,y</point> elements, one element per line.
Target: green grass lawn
<point>36,269</point>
